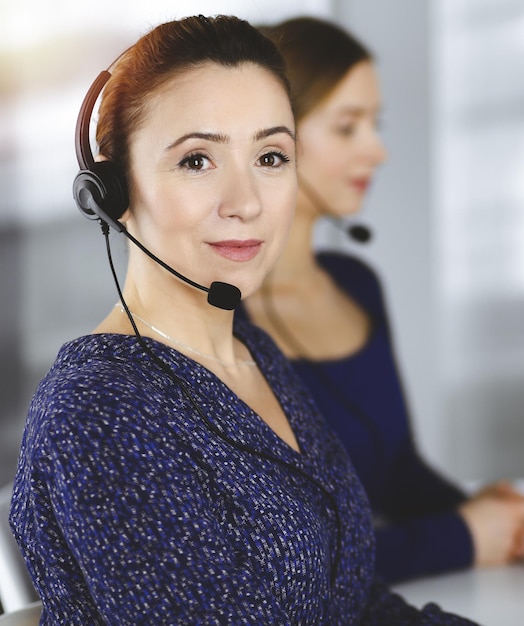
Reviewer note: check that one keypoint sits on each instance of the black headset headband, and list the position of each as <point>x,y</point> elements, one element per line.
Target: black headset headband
<point>84,154</point>
<point>99,188</point>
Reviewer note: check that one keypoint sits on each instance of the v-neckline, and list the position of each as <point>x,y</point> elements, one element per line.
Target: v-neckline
<point>181,359</point>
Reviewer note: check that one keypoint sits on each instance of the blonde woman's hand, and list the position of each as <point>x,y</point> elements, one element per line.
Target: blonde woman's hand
<point>495,518</point>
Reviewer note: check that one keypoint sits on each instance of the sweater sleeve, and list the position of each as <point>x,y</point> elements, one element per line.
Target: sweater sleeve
<point>413,487</point>
<point>421,546</point>
<point>385,607</point>
<point>150,551</point>
<point>423,533</point>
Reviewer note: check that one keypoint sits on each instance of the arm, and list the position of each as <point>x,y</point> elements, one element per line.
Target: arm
<point>423,531</point>
<point>414,488</point>
<point>144,533</point>
<point>389,608</point>
<point>422,546</point>
<point>446,530</point>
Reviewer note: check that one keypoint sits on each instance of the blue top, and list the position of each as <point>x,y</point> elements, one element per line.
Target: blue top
<point>361,397</point>
<point>154,495</point>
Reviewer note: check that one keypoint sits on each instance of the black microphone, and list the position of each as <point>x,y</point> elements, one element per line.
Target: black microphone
<point>357,232</point>
<point>222,295</point>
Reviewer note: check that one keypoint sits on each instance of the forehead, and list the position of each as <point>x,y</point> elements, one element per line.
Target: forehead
<point>211,94</point>
<point>359,87</point>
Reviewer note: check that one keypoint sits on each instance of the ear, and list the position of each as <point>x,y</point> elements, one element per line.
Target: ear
<point>125,216</point>
<point>115,200</point>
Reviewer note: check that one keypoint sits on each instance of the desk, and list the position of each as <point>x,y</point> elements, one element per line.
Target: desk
<point>490,597</point>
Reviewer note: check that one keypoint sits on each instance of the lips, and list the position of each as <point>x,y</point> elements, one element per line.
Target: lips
<point>360,184</point>
<point>237,250</point>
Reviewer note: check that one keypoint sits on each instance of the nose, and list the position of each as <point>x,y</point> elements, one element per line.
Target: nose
<point>372,146</point>
<point>240,195</point>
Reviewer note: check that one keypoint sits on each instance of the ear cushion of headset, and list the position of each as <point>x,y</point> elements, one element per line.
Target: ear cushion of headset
<point>105,185</point>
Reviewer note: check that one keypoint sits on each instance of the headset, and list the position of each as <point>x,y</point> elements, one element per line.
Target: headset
<point>99,188</point>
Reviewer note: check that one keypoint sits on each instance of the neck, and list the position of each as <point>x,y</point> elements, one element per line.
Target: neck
<point>298,258</point>
<point>179,311</point>
<point>180,345</point>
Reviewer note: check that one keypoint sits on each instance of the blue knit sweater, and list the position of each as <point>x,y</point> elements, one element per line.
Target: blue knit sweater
<point>136,503</point>
<point>361,397</point>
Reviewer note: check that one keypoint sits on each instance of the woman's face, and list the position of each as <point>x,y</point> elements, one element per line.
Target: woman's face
<point>339,146</point>
<point>213,176</point>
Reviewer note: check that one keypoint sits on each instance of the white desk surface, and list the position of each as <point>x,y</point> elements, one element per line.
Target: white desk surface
<point>490,597</point>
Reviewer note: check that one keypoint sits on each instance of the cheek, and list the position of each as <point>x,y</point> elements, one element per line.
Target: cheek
<point>278,214</point>
<point>284,221</point>
<point>320,158</point>
<point>284,203</point>
<point>166,207</point>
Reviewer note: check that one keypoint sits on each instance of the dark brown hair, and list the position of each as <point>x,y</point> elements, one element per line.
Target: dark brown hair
<point>167,50</point>
<point>317,54</point>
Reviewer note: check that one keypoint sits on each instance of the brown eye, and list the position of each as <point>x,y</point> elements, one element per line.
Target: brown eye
<point>195,162</point>
<point>268,160</point>
<point>345,130</point>
<point>273,159</point>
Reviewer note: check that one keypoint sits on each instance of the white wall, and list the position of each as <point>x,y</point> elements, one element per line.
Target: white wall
<point>479,200</point>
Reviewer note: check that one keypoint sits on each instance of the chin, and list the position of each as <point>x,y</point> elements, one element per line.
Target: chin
<point>342,214</point>
<point>348,209</point>
<point>341,205</point>
<point>248,291</point>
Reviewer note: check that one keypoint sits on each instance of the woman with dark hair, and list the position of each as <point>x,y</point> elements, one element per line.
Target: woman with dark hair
<point>327,313</point>
<point>173,468</point>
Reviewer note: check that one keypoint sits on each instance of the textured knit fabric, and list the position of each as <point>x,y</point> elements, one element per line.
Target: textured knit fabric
<point>362,399</point>
<point>136,502</point>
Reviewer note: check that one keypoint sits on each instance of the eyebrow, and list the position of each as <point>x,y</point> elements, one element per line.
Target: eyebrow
<point>220,138</point>
<point>359,110</point>
<point>215,137</point>
<point>274,130</point>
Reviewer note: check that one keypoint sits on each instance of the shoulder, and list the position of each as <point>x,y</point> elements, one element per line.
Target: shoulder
<point>96,377</point>
<point>350,268</point>
<point>104,397</point>
<point>96,363</point>
<point>355,276</point>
